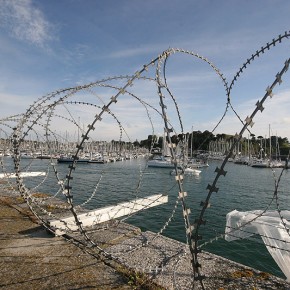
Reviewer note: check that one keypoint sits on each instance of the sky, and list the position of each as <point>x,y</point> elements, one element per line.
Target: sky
<point>47,46</point>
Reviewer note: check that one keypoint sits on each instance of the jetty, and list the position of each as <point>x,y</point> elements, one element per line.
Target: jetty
<point>32,258</point>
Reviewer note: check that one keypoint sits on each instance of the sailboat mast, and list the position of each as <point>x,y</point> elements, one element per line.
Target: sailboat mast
<point>191,142</point>
<point>270,142</point>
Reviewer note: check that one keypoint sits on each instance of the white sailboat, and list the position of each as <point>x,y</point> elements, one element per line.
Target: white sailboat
<point>276,163</point>
<point>161,162</point>
<point>197,163</point>
<point>262,161</point>
<point>191,171</point>
<point>164,160</point>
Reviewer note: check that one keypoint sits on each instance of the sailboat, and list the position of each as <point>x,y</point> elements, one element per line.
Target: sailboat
<point>161,162</point>
<point>164,160</point>
<point>276,163</point>
<point>261,162</point>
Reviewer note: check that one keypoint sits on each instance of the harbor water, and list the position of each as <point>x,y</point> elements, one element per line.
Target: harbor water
<point>243,188</point>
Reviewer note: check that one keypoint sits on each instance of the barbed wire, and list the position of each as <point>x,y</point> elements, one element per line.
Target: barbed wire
<point>38,127</point>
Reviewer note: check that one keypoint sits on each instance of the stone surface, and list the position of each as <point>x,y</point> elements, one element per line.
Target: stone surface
<point>30,258</point>
<point>168,263</point>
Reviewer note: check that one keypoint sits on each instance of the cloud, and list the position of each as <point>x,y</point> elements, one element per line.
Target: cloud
<point>275,114</point>
<point>25,22</point>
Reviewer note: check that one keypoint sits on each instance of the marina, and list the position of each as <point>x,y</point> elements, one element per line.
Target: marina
<point>198,210</point>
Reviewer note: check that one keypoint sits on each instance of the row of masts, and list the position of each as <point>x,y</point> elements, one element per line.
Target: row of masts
<point>56,148</point>
<point>244,152</point>
<point>245,148</point>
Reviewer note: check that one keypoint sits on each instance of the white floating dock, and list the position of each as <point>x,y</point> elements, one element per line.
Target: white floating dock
<point>107,213</point>
<point>22,174</point>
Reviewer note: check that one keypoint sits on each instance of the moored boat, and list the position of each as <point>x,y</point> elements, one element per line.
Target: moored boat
<point>161,162</point>
<point>65,159</point>
<point>260,163</point>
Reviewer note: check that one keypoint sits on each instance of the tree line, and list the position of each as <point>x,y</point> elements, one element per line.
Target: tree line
<point>199,141</point>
